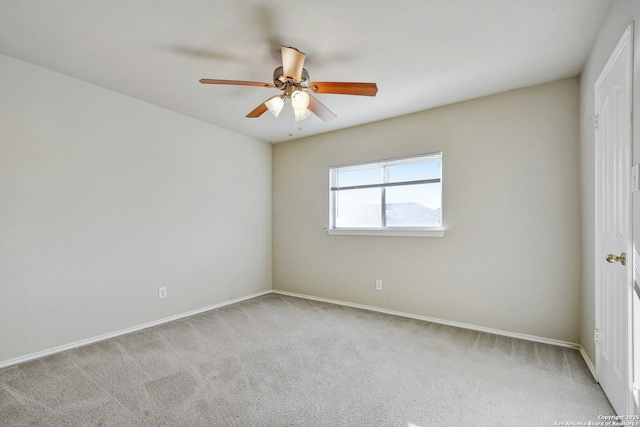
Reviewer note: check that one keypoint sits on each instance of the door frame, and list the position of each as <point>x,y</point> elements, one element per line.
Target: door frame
<point>626,41</point>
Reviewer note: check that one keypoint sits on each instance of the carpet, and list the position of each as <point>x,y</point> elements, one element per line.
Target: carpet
<point>277,360</point>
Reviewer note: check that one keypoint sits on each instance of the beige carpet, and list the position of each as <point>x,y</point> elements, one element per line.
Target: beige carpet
<point>284,361</point>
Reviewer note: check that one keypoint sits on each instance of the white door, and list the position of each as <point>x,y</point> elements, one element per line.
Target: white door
<point>613,229</point>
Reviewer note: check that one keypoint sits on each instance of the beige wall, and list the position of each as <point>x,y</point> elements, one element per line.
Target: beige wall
<point>104,198</point>
<point>622,13</point>
<point>509,259</point>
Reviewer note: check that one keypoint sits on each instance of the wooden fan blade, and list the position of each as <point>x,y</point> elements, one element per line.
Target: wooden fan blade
<point>260,109</point>
<point>292,63</point>
<point>235,82</point>
<point>320,110</point>
<point>344,88</point>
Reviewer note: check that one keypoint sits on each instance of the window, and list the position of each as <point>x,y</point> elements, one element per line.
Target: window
<point>391,197</point>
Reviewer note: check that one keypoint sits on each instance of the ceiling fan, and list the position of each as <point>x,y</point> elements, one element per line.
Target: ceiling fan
<point>293,80</point>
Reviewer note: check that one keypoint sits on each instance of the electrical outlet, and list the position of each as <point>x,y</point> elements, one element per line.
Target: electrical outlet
<point>378,285</point>
<point>162,292</point>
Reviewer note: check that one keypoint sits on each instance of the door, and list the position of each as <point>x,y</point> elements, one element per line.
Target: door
<point>613,228</point>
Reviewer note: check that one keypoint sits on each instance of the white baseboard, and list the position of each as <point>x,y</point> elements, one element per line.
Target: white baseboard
<point>590,365</point>
<point>32,356</point>
<point>440,321</point>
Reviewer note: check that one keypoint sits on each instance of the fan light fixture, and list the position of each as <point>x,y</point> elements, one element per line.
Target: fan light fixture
<point>275,105</point>
<point>300,102</point>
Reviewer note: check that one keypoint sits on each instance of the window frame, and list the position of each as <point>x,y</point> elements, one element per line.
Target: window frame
<point>385,230</point>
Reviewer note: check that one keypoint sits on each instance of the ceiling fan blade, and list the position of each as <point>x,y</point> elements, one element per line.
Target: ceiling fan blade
<point>344,88</point>
<point>260,109</point>
<point>235,82</point>
<point>320,110</point>
<point>292,63</point>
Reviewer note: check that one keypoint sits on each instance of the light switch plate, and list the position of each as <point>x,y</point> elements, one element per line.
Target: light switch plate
<point>635,178</point>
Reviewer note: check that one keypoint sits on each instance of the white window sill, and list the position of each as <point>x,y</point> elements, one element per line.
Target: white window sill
<point>434,232</point>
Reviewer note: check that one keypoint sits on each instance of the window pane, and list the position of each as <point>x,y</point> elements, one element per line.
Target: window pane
<point>414,171</point>
<point>358,208</point>
<point>348,178</point>
<point>414,205</point>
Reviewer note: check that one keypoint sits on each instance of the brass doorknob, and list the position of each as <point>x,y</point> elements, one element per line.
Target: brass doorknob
<point>615,258</point>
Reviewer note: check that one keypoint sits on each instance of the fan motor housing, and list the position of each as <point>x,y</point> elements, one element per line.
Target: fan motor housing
<point>280,81</point>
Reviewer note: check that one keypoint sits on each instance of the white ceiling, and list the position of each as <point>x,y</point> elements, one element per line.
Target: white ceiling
<point>421,53</point>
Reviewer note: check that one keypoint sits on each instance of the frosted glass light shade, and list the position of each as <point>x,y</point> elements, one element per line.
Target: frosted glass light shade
<point>299,100</point>
<point>301,114</point>
<point>275,105</point>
